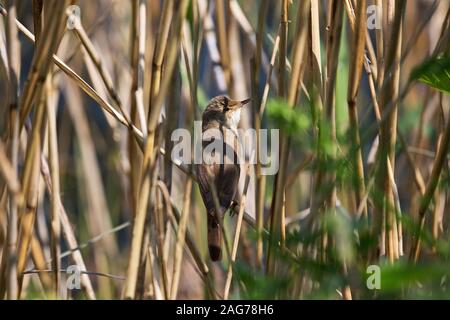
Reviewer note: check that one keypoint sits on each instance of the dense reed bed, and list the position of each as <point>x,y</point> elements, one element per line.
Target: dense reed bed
<point>94,206</point>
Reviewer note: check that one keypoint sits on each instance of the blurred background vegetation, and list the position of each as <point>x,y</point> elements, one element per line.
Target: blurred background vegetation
<point>86,115</point>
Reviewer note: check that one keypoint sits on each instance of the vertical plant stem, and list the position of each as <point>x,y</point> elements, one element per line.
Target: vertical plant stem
<point>181,234</point>
<point>379,36</point>
<point>276,212</point>
<point>277,227</point>
<point>37,18</point>
<point>237,235</point>
<point>134,154</point>
<point>388,129</point>
<point>355,70</point>
<point>283,49</point>
<point>257,119</point>
<point>223,40</point>
<point>160,48</point>
<point>333,46</point>
<point>54,173</point>
<point>30,181</point>
<point>151,147</point>
<point>429,191</point>
<point>13,56</point>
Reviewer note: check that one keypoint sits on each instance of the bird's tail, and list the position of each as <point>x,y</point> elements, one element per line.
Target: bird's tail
<point>214,237</point>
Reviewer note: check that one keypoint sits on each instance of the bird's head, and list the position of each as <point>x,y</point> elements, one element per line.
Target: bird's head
<point>224,111</point>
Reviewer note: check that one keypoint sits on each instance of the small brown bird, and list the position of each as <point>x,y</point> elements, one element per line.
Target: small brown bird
<point>222,114</point>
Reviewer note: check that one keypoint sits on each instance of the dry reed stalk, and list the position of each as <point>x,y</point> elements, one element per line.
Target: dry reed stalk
<point>8,269</point>
<point>86,88</point>
<point>52,28</point>
<point>94,27</point>
<point>159,50</point>
<point>355,70</point>
<point>379,37</point>
<point>332,50</point>
<point>397,228</point>
<point>3,216</point>
<point>283,49</point>
<point>277,216</point>
<point>237,235</point>
<point>257,118</point>
<point>318,91</point>
<point>38,5</point>
<point>247,28</point>
<point>276,229</point>
<point>174,217</point>
<point>95,191</point>
<point>13,55</point>
<point>30,183</point>
<point>388,130</point>
<point>160,237</point>
<point>197,39</point>
<point>239,89</point>
<point>52,104</point>
<point>95,239</point>
<point>13,61</point>
<point>181,234</point>
<point>418,178</point>
<point>168,173</point>
<point>316,62</point>
<point>7,171</point>
<point>101,68</point>
<point>133,151</point>
<point>36,250</point>
<point>417,175</point>
<point>211,44</point>
<point>31,171</point>
<point>91,92</point>
<point>155,289</point>
<point>187,62</point>
<point>98,213</point>
<point>429,191</point>
<point>69,235</point>
<point>410,44</point>
<point>175,100</point>
<point>99,87</point>
<point>372,79</point>
<point>38,257</point>
<point>265,95</point>
<point>223,37</point>
<point>106,106</point>
<point>143,268</point>
<point>146,186</point>
<point>260,37</point>
<point>413,39</point>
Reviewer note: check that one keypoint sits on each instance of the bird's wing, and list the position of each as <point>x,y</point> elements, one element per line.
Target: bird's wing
<point>204,173</point>
<point>225,177</point>
<point>228,183</point>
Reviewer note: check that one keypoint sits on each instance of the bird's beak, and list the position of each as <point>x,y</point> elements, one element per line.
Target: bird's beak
<point>244,102</point>
<point>235,104</point>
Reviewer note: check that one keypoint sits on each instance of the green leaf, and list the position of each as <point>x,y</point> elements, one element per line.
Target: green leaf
<point>288,119</point>
<point>434,72</point>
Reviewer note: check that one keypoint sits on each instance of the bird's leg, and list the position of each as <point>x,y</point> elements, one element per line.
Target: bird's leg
<point>233,205</point>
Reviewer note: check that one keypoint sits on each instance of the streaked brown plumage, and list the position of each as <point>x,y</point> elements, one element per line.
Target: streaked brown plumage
<point>223,114</point>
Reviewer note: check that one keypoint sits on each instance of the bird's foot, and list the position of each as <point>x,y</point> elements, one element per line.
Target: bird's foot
<point>233,206</point>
